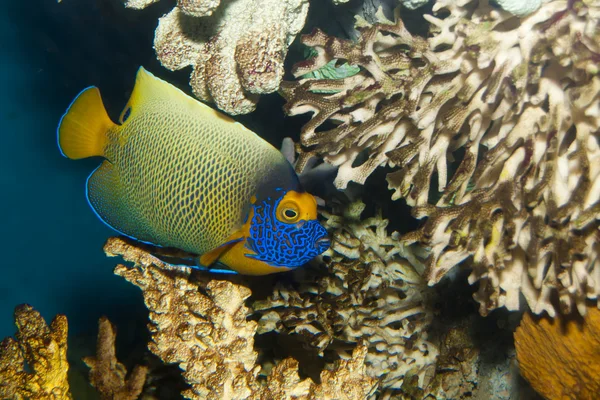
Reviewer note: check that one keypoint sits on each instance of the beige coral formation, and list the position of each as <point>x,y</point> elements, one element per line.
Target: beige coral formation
<point>236,48</point>
<point>203,327</point>
<point>372,291</point>
<point>139,4</point>
<point>43,349</point>
<point>107,374</point>
<point>457,366</point>
<point>561,357</point>
<point>501,116</point>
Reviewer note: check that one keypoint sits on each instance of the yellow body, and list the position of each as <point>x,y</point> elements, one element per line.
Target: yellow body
<point>177,173</point>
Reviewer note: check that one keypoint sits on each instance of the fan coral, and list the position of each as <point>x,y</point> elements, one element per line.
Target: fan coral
<point>44,349</point>
<point>503,113</point>
<point>237,53</point>
<point>107,374</point>
<point>373,292</point>
<point>561,358</point>
<point>205,330</point>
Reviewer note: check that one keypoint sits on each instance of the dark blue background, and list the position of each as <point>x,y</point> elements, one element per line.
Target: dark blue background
<point>51,240</point>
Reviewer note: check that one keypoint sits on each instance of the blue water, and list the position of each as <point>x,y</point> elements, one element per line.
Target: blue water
<point>51,240</point>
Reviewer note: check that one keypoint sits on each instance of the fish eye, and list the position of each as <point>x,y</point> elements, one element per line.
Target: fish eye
<point>289,213</point>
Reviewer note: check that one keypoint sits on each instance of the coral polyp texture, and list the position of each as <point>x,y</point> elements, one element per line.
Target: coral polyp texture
<point>561,358</point>
<point>372,291</point>
<point>498,115</point>
<point>34,366</point>
<point>203,327</point>
<point>236,49</point>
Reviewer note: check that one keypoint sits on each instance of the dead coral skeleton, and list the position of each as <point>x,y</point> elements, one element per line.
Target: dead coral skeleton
<point>44,349</point>
<point>373,291</point>
<point>504,113</point>
<point>236,49</point>
<point>203,327</point>
<point>107,374</point>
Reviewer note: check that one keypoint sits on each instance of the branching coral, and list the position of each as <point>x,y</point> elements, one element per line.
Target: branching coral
<point>44,349</point>
<point>501,116</point>
<point>561,358</point>
<point>373,292</point>
<point>107,374</point>
<point>237,53</point>
<point>205,330</point>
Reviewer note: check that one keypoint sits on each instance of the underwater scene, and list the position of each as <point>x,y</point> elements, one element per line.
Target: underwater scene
<point>300,199</point>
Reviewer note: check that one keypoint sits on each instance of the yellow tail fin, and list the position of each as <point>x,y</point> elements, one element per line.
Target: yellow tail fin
<point>82,130</point>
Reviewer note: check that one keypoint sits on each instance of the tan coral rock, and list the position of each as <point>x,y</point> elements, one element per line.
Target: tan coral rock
<point>44,349</point>
<point>236,49</point>
<point>561,357</point>
<point>207,335</point>
<point>198,8</point>
<point>372,292</point>
<point>139,4</point>
<point>348,379</point>
<point>284,383</point>
<point>202,326</point>
<point>107,374</point>
<point>500,116</point>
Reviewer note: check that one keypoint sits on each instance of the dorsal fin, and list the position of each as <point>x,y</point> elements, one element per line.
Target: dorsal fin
<point>152,91</point>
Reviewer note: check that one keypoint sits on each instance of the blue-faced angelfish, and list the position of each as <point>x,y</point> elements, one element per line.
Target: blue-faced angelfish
<point>177,173</point>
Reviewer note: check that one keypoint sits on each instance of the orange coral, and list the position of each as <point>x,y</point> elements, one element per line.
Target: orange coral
<point>561,357</point>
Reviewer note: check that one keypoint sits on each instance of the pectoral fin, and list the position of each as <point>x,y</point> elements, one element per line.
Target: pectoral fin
<point>209,258</point>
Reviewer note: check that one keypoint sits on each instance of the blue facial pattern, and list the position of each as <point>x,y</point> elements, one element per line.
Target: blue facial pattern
<point>281,244</point>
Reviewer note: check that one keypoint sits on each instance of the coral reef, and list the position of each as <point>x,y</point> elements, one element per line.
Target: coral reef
<point>498,115</point>
<point>139,4</point>
<point>236,49</point>
<point>457,366</point>
<point>520,7</point>
<point>413,4</point>
<point>43,349</point>
<point>561,357</point>
<point>372,291</point>
<point>202,326</point>
<point>107,374</point>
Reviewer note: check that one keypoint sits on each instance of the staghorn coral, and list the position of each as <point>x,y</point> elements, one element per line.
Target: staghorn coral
<point>373,291</point>
<point>203,327</point>
<point>237,53</point>
<point>498,114</point>
<point>44,349</point>
<point>107,374</point>
<point>561,357</point>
